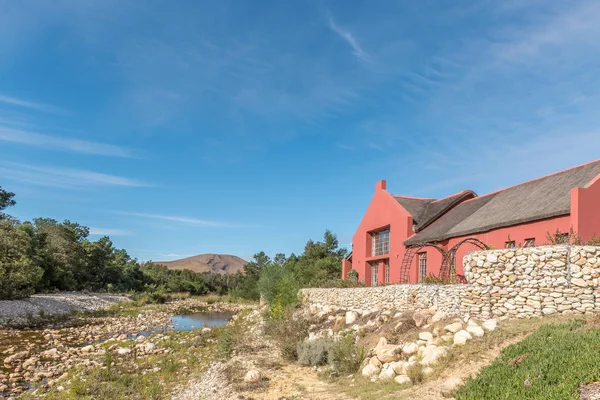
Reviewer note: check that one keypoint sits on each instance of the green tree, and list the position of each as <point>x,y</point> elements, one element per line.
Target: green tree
<point>6,200</point>
<point>19,275</point>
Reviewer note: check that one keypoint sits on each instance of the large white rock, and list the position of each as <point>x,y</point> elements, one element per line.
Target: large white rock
<point>375,361</point>
<point>123,351</point>
<point>461,337</point>
<point>87,349</point>
<point>399,367</point>
<point>387,353</point>
<point>149,347</point>
<point>438,316</point>
<point>475,331</point>
<point>490,325</point>
<point>432,353</point>
<point>351,317</point>
<point>253,375</point>
<point>387,373</point>
<point>426,336</point>
<point>455,327</point>
<point>370,370</point>
<point>410,348</point>
<point>402,379</point>
<point>451,383</point>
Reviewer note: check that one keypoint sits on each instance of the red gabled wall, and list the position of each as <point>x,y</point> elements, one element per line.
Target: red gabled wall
<point>383,211</point>
<point>585,210</point>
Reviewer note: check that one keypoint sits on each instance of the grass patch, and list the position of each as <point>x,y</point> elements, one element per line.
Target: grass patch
<point>549,364</point>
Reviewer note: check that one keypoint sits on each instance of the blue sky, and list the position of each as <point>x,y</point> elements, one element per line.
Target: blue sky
<point>189,127</point>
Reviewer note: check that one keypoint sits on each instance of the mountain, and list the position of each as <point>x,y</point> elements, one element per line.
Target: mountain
<point>218,263</point>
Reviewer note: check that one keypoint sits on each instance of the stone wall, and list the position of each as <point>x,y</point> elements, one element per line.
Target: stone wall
<point>502,283</point>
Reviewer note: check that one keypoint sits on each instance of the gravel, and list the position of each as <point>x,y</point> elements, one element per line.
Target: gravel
<point>21,312</point>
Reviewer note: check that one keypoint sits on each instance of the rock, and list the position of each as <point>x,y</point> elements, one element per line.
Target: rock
<point>351,317</point>
<point>387,353</point>
<point>421,317</point>
<point>370,370</point>
<point>432,353</point>
<point>402,379</point>
<point>52,353</point>
<point>451,383</point>
<point>476,331</point>
<point>426,336</point>
<point>455,327</point>
<point>461,337</point>
<point>253,375</point>
<point>438,316</point>
<point>387,373</point>
<point>87,349</point>
<point>375,361</point>
<point>16,357</point>
<point>123,351</point>
<point>410,348</point>
<point>399,367</point>
<point>206,330</point>
<point>489,325</point>
<point>149,347</point>
<point>428,371</point>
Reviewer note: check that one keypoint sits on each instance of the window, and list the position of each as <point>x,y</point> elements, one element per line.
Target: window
<point>510,244</point>
<point>529,242</point>
<point>381,243</point>
<point>374,273</point>
<point>387,271</point>
<point>422,266</point>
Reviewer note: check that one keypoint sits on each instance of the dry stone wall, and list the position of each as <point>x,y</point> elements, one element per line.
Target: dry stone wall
<point>504,283</point>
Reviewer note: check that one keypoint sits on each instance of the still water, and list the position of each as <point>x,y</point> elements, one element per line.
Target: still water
<point>199,320</point>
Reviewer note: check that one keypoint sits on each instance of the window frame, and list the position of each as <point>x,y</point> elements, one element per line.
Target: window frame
<point>529,242</point>
<point>510,244</point>
<point>374,274</point>
<point>380,242</point>
<point>422,265</point>
<point>387,271</point>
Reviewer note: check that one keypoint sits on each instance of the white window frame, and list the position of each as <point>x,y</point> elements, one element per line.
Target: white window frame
<point>387,271</point>
<point>529,242</point>
<point>422,265</point>
<point>380,243</point>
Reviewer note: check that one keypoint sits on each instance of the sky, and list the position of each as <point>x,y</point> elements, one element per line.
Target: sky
<point>189,127</point>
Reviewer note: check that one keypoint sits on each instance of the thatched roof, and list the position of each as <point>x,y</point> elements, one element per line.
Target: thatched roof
<point>535,200</point>
<point>425,211</point>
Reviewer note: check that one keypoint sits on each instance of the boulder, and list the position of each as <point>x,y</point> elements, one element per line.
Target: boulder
<point>149,347</point>
<point>370,370</point>
<point>451,383</point>
<point>16,357</point>
<point>428,371</point>
<point>475,331</point>
<point>351,317</point>
<point>399,367</point>
<point>426,336</point>
<point>52,353</point>
<point>402,379</point>
<point>421,317</point>
<point>438,316</point>
<point>454,327</point>
<point>461,337</point>
<point>432,353</point>
<point>387,353</point>
<point>490,325</point>
<point>123,351</point>
<point>253,375</point>
<point>410,348</point>
<point>88,349</point>
<point>387,373</point>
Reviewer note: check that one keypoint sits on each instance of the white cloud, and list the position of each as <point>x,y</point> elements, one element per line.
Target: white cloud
<point>62,177</point>
<point>29,138</point>
<point>13,101</point>
<point>182,220</point>
<point>108,232</point>
<point>350,39</point>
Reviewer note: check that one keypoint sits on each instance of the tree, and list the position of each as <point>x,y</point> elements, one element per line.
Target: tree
<point>6,200</point>
<point>19,274</point>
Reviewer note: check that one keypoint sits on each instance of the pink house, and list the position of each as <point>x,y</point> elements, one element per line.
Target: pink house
<point>403,239</point>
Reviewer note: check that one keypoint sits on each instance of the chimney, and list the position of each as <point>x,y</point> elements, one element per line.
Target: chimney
<point>380,186</point>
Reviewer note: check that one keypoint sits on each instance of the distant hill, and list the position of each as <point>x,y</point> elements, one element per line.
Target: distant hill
<point>218,263</point>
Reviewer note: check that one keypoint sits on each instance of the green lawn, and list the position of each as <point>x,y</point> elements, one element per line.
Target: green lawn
<point>550,364</point>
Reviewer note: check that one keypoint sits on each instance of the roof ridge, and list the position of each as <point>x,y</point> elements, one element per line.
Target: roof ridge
<point>413,198</point>
<point>456,195</point>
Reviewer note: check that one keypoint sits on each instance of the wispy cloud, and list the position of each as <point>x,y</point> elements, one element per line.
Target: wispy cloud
<point>62,177</point>
<point>108,232</point>
<point>13,101</point>
<point>344,146</point>
<point>182,220</point>
<point>347,36</point>
<point>29,138</point>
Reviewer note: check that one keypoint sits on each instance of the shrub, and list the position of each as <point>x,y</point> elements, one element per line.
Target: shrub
<point>315,352</point>
<point>347,356</point>
<point>353,275</point>
<point>438,280</point>
<point>287,330</point>
<point>415,373</point>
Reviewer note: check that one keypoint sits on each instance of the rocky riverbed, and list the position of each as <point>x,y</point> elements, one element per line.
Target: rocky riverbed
<point>17,313</point>
<point>35,359</point>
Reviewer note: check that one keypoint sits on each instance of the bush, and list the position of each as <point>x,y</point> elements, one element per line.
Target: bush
<point>347,357</point>
<point>287,330</point>
<point>316,352</point>
<point>415,373</point>
<point>438,280</point>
